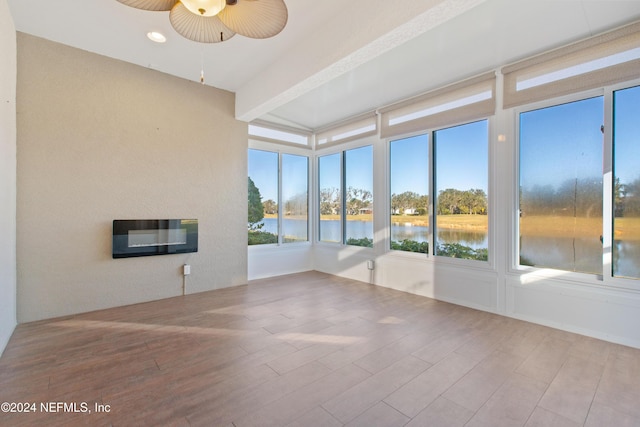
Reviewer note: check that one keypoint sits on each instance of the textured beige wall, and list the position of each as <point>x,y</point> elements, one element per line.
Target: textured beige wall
<point>100,139</point>
<point>7,175</point>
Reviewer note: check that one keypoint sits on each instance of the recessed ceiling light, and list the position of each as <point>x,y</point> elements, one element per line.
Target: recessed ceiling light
<point>156,37</point>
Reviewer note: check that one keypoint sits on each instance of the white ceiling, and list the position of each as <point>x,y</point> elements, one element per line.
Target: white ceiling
<point>334,59</point>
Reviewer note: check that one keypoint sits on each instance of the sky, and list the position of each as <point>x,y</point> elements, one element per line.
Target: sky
<point>294,170</point>
<point>462,160</point>
<point>409,164</point>
<point>462,157</point>
<point>565,141</point>
<point>329,171</point>
<point>263,170</point>
<point>358,169</point>
<point>627,134</point>
<point>562,142</point>
<point>409,159</point>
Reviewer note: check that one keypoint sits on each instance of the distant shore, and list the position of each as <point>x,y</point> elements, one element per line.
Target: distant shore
<point>453,222</point>
<point>559,226</point>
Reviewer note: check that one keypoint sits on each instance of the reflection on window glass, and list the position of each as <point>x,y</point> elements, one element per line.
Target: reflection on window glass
<point>409,179</point>
<point>561,186</point>
<point>263,196</point>
<point>626,183</point>
<point>330,203</point>
<point>294,197</point>
<point>358,165</point>
<point>461,185</point>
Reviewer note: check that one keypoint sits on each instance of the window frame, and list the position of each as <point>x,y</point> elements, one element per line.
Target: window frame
<point>281,149</point>
<point>604,279</point>
<point>608,278</point>
<point>430,184</point>
<point>339,148</point>
<point>490,264</point>
<point>432,142</point>
<point>279,134</point>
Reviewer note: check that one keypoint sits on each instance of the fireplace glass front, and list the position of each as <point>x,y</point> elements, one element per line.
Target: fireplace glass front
<point>145,237</point>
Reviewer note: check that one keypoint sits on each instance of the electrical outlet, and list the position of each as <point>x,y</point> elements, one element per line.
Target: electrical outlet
<point>186,269</point>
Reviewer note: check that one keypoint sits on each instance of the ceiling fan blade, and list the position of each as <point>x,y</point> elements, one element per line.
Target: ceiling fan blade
<point>256,19</point>
<point>154,5</point>
<point>203,29</point>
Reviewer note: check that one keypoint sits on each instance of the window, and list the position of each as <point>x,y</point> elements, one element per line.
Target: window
<point>358,171</point>
<point>561,186</point>
<point>461,185</point>
<point>295,170</point>
<point>263,197</point>
<point>462,102</point>
<point>269,133</point>
<point>330,179</point>
<point>409,183</point>
<point>626,183</point>
<point>599,61</point>
<point>277,216</point>
<point>439,180</point>
<point>579,161</point>
<point>345,203</point>
<point>350,130</point>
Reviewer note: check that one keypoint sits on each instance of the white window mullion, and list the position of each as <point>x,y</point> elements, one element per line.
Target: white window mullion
<point>280,208</point>
<point>607,184</point>
<point>343,200</point>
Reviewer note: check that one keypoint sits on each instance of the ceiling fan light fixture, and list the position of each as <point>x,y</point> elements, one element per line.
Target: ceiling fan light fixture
<point>255,19</point>
<point>202,29</point>
<point>214,21</point>
<point>204,7</point>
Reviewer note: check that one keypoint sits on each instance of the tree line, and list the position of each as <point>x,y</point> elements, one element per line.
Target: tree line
<point>449,202</point>
<point>580,198</point>
<point>626,198</point>
<point>573,197</point>
<point>296,205</point>
<point>458,202</point>
<point>357,201</point>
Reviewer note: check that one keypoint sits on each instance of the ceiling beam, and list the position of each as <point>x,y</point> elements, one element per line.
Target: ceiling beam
<point>341,46</point>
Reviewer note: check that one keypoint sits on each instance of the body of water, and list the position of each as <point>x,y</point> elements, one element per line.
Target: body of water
<point>563,253</point>
<point>582,255</point>
<point>330,231</point>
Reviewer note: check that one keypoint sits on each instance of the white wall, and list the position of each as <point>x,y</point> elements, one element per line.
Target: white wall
<point>268,260</point>
<point>7,175</point>
<point>100,139</point>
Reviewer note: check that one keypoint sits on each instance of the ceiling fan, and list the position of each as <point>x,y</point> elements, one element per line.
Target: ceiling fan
<point>213,21</point>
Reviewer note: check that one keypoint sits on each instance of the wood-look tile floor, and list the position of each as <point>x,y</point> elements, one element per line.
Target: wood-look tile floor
<point>312,349</point>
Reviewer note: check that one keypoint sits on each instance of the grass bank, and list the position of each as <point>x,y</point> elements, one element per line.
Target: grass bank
<point>562,226</point>
<point>453,222</point>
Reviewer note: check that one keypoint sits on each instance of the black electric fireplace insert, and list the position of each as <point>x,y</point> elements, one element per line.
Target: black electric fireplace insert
<point>146,237</point>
